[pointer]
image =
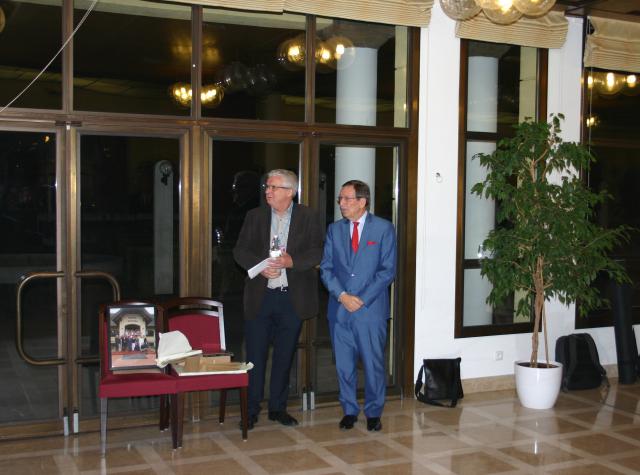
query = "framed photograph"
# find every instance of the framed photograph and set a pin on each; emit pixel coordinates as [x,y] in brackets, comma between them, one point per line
[132,337]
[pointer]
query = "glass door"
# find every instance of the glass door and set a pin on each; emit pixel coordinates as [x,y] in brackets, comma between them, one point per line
[32,391]
[378,167]
[238,170]
[128,216]
[77,232]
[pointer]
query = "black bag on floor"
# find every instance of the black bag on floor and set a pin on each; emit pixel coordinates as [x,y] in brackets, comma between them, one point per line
[441,382]
[581,368]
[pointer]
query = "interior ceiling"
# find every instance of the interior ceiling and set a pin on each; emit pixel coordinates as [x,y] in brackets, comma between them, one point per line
[608,8]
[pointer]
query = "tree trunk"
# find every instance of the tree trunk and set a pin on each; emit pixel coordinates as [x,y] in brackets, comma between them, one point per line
[538,282]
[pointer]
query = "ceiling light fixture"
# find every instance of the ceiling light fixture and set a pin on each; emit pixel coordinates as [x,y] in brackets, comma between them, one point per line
[502,12]
[460,9]
[210,96]
[534,7]
[631,80]
[610,83]
[336,52]
[291,53]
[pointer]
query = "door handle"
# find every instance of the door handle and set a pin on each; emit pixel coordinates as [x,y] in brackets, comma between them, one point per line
[115,287]
[22,282]
[104,275]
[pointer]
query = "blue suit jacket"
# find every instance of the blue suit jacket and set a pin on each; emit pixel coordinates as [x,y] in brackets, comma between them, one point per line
[366,273]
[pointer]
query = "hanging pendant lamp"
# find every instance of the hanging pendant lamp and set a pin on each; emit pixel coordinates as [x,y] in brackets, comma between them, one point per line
[460,9]
[534,7]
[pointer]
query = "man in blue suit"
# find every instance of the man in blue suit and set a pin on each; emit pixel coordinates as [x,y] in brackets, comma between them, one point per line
[358,266]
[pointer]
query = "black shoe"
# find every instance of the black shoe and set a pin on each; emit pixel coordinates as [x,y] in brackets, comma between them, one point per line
[283,418]
[251,421]
[347,422]
[374,424]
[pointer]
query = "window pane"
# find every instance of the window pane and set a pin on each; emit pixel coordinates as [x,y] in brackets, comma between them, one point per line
[129,212]
[31,36]
[373,165]
[361,73]
[476,290]
[241,56]
[613,100]
[128,55]
[480,212]
[502,91]
[502,86]
[477,311]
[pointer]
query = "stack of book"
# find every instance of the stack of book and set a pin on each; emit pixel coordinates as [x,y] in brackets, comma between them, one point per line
[210,364]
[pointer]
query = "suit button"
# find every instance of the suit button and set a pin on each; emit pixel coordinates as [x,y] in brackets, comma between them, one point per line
[353,275]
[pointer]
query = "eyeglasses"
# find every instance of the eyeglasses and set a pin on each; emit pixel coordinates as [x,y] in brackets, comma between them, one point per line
[266,187]
[346,198]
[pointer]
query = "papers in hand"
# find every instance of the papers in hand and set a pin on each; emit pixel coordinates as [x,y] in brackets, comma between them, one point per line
[173,347]
[259,267]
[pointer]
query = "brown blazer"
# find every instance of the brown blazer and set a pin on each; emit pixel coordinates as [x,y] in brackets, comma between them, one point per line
[304,244]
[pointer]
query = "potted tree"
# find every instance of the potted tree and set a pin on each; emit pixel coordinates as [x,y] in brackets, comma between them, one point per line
[545,244]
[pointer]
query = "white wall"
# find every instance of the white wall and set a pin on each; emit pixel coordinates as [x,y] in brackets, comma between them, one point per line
[437,205]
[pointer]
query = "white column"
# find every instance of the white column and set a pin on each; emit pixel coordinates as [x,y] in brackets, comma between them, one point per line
[356,101]
[163,228]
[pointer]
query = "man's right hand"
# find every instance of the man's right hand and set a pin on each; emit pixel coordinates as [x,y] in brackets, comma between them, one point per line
[351,302]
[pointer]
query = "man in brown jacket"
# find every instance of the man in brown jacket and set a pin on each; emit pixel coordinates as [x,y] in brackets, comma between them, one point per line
[284,294]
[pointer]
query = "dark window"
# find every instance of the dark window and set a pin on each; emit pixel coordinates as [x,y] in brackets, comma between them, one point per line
[126,59]
[30,36]
[610,129]
[243,75]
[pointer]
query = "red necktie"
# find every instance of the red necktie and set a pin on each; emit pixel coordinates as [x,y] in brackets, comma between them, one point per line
[354,237]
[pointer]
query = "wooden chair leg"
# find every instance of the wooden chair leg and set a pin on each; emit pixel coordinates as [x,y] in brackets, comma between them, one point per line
[103,425]
[164,412]
[244,411]
[177,419]
[223,404]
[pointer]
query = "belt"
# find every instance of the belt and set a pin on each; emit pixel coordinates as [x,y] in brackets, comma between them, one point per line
[279,289]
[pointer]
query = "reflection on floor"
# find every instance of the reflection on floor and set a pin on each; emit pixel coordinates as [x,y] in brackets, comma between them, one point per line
[487,433]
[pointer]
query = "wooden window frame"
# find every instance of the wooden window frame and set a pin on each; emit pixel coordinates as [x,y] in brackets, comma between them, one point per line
[464,136]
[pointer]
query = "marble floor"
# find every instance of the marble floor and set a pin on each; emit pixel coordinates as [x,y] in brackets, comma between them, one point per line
[588,432]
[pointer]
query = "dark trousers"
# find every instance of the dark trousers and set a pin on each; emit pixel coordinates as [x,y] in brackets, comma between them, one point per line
[276,323]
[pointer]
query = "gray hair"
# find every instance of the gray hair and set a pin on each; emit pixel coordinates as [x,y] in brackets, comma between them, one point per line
[289,177]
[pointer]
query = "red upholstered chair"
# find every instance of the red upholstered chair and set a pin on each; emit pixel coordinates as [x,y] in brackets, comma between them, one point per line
[202,322]
[119,385]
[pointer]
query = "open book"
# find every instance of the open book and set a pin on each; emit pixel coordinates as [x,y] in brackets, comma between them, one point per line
[174,347]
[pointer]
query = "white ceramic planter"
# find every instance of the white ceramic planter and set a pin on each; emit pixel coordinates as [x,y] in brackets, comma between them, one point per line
[538,388]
